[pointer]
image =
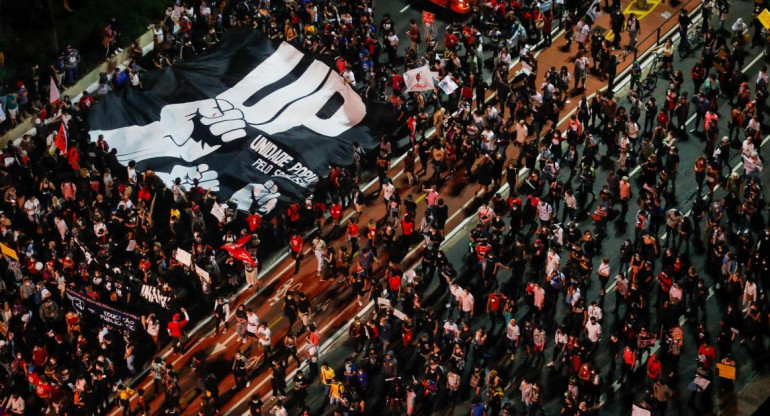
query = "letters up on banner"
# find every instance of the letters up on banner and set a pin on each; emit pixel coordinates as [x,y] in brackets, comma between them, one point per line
[114,317]
[253,121]
[154,295]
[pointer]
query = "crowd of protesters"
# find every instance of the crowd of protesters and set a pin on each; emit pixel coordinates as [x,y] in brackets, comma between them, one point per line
[81,221]
[445,349]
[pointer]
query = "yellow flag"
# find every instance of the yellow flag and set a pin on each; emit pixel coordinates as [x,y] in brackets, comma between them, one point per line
[9,252]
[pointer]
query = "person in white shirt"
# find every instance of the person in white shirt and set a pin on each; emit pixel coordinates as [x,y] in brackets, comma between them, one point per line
[593,331]
[319,249]
[16,404]
[32,208]
[544,212]
[131,172]
[492,114]
[552,261]
[279,410]
[252,323]
[512,334]
[504,57]
[135,81]
[749,294]
[557,235]
[393,40]
[456,292]
[581,65]
[521,133]
[603,272]
[526,392]
[264,336]
[762,75]
[349,77]
[387,192]
[752,166]
[747,148]
[570,205]
[595,311]
[450,328]
[560,339]
[488,144]
[466,304]
[535,101]
[486,214]
[675,294]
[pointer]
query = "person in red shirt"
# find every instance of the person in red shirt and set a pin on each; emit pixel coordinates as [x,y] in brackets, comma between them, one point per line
[39,356]
[629,362]
[353,233]
[394,283]
[33,379]
[706,354]
[654,367]
[43,391]
[407,229]
[292,213]
[495,307]
[175,329]
[397,82]
[482,249]
[335,211]
[144,193]
[296,242]
[313,337]
[450,40]
[663,118]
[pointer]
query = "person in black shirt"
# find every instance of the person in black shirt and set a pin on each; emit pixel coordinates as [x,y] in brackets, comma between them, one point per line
[429,258]
[300,387]
[612,70]
[255,405]
[684,21]
[440,214]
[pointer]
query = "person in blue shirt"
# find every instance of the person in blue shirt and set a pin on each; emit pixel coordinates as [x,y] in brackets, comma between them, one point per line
[477,408]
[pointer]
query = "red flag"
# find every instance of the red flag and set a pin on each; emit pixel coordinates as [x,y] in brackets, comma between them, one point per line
[61,138]
[254,221]
[239,253]
[243,240]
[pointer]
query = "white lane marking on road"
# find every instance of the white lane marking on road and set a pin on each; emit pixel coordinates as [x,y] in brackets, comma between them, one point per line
[405,8]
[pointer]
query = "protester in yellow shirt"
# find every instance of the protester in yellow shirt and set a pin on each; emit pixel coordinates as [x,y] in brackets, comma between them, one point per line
[327,375]
[335,392]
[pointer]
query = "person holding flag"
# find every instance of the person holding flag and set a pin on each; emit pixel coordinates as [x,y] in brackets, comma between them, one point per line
[238,251]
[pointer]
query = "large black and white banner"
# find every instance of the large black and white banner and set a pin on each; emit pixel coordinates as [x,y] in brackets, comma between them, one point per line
[251,120]
[114,317]
[154,294]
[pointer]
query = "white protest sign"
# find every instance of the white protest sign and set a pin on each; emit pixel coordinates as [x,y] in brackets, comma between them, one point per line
[183,257]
